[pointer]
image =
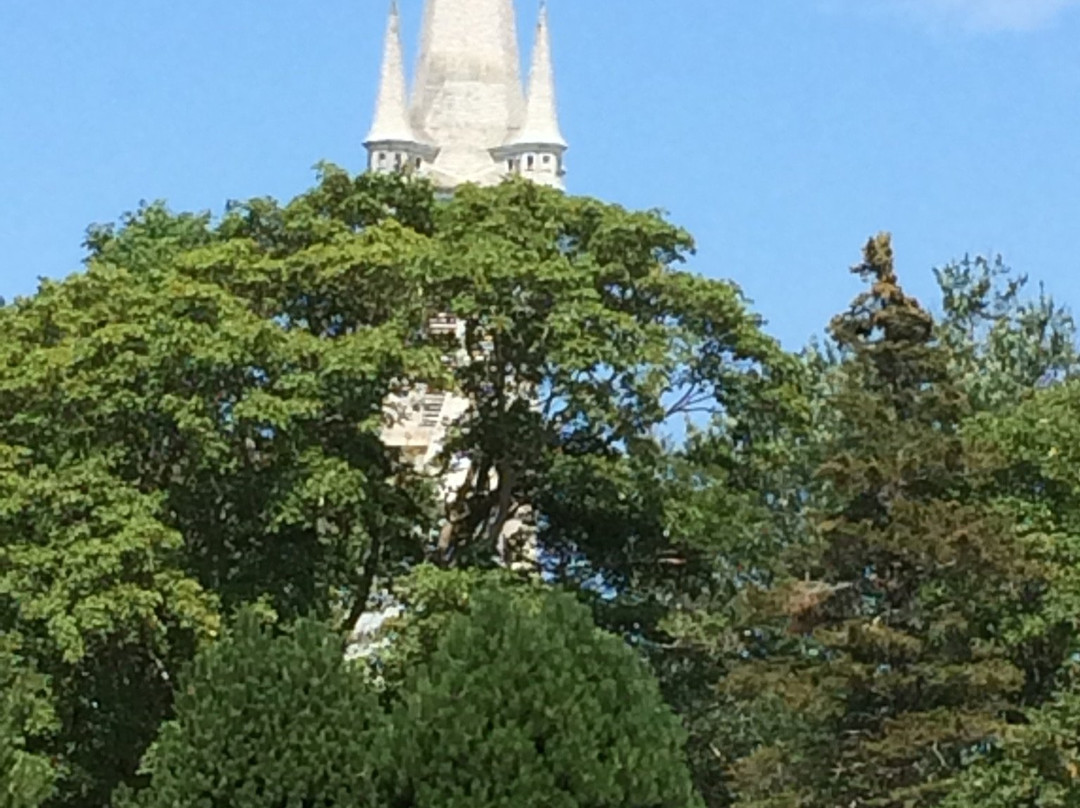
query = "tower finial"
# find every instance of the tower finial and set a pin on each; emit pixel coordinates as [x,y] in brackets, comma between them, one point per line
[541,124]
[537,149]
[391,121]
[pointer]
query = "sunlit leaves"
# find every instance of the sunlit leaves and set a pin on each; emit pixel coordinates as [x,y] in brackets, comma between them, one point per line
[27,778]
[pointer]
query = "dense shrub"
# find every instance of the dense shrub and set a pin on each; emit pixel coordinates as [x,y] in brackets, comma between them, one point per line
[265,720]
[523,702]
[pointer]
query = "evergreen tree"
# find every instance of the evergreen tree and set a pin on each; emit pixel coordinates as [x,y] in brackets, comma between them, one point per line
[525,703]
[521,702]
[267,719]
[880,665]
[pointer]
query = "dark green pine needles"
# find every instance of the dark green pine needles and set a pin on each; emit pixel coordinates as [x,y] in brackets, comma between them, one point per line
[534,707]
[887,668]
[264,720]
[521,705]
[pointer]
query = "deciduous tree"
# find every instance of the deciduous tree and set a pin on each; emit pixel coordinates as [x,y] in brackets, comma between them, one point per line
[197,418]
[27,777]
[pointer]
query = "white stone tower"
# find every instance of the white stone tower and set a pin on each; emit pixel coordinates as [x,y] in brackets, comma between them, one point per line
[468,121]
[537,148]
[468,118]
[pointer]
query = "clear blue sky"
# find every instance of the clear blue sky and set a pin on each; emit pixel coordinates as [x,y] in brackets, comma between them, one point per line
[780,132]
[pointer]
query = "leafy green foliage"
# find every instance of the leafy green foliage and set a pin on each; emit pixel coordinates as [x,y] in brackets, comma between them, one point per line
[268,719]
[527,703]
[424,603]
[676,536]
[855,578]
[521,701]
[1036,764]
[1004,347]
[27,778]
[169,451]
[583,305]
[581,340]
[91,581]
[1036,481]
[196,418]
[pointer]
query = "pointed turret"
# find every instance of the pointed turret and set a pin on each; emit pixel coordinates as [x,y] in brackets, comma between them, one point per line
[391,120]
[541,111]
[468,97]
[391,143]
[537,149]
[467,119]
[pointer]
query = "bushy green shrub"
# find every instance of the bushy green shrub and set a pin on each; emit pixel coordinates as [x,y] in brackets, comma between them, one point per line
[26,778]
[265,720]
[526,703]
[522,702]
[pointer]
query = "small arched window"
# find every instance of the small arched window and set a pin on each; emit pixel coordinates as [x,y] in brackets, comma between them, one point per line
[530,162]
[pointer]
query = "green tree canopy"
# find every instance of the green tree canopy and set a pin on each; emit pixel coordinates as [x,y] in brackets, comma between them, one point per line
[1035,764]
[1035,761]
[854,573]
[93,586]
[1004,346]
[27,778]
[194,423]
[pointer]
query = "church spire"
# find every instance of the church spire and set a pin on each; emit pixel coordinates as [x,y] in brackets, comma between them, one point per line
[391,121]
[468,97]
[467,119]
[541,124]
[537,149]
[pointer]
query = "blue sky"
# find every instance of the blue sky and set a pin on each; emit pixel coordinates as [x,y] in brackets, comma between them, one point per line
[780,132]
